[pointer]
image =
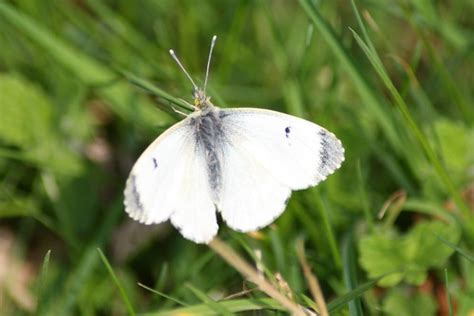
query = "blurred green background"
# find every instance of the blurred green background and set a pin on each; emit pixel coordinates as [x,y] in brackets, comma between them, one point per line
[390,233]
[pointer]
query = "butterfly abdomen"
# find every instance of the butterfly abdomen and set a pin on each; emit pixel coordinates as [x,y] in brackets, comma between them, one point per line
[209,135]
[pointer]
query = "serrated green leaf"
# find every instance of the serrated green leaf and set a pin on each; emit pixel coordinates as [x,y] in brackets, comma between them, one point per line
[400,302]
[25,110]
[27,123]
[409,255]
[456,143]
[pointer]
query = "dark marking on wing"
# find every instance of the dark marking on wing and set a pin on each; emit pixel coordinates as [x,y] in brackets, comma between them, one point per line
[324,154]
[155,163]
[331,153]
[223,114]
[287,131]
[135,198]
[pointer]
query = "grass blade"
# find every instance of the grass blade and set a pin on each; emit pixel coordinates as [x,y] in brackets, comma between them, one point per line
[234,306]
[459,250]
[153,89]
[41,280]
[86,69]
[341,301]
[123,294]
[311,279]
[232,258]
[448,297]
[163,295]
[78,277]
[218,308]
[350,279]
[412,125]
[372,101]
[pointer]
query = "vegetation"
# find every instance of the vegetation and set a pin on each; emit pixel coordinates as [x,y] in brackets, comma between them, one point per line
[86,85]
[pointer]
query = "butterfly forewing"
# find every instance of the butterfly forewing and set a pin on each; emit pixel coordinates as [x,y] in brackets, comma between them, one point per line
[169,180]
[296,152]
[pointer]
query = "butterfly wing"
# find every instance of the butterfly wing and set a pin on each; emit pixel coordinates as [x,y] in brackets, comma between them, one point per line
[268,154]
[169,181]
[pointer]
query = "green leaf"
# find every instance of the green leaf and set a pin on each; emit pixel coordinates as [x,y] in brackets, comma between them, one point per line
[400,302]
[87,69]
[28,124]
[409,256]
[453,139]
[25,110]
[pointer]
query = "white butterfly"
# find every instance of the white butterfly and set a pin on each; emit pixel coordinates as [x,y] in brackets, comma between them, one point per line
[241,162]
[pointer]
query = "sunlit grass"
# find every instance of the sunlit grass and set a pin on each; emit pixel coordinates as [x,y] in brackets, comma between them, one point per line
[86,85]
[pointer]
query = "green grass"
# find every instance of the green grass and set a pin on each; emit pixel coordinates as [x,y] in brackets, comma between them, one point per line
[86,85]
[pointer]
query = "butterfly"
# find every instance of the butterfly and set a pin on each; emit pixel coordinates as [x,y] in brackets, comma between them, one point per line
[241,162]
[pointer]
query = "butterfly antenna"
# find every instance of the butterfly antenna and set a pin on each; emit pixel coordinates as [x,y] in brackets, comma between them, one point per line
[172,53]
[213,43]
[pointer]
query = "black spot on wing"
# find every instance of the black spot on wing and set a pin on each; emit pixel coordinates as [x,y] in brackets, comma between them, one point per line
[287,131]
[155,163]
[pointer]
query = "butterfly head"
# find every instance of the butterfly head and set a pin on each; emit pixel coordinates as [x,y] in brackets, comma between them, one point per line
[201,100]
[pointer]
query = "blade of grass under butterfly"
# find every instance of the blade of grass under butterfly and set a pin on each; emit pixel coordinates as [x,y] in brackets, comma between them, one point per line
[218,308]
[311,279]
[349,272]
[363,196]
[234,306]
[344,299]
[459,250]
[324,211]
[114,277]
[448,297]
[238,263]
[41,280]
[163,295]
[77,278]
